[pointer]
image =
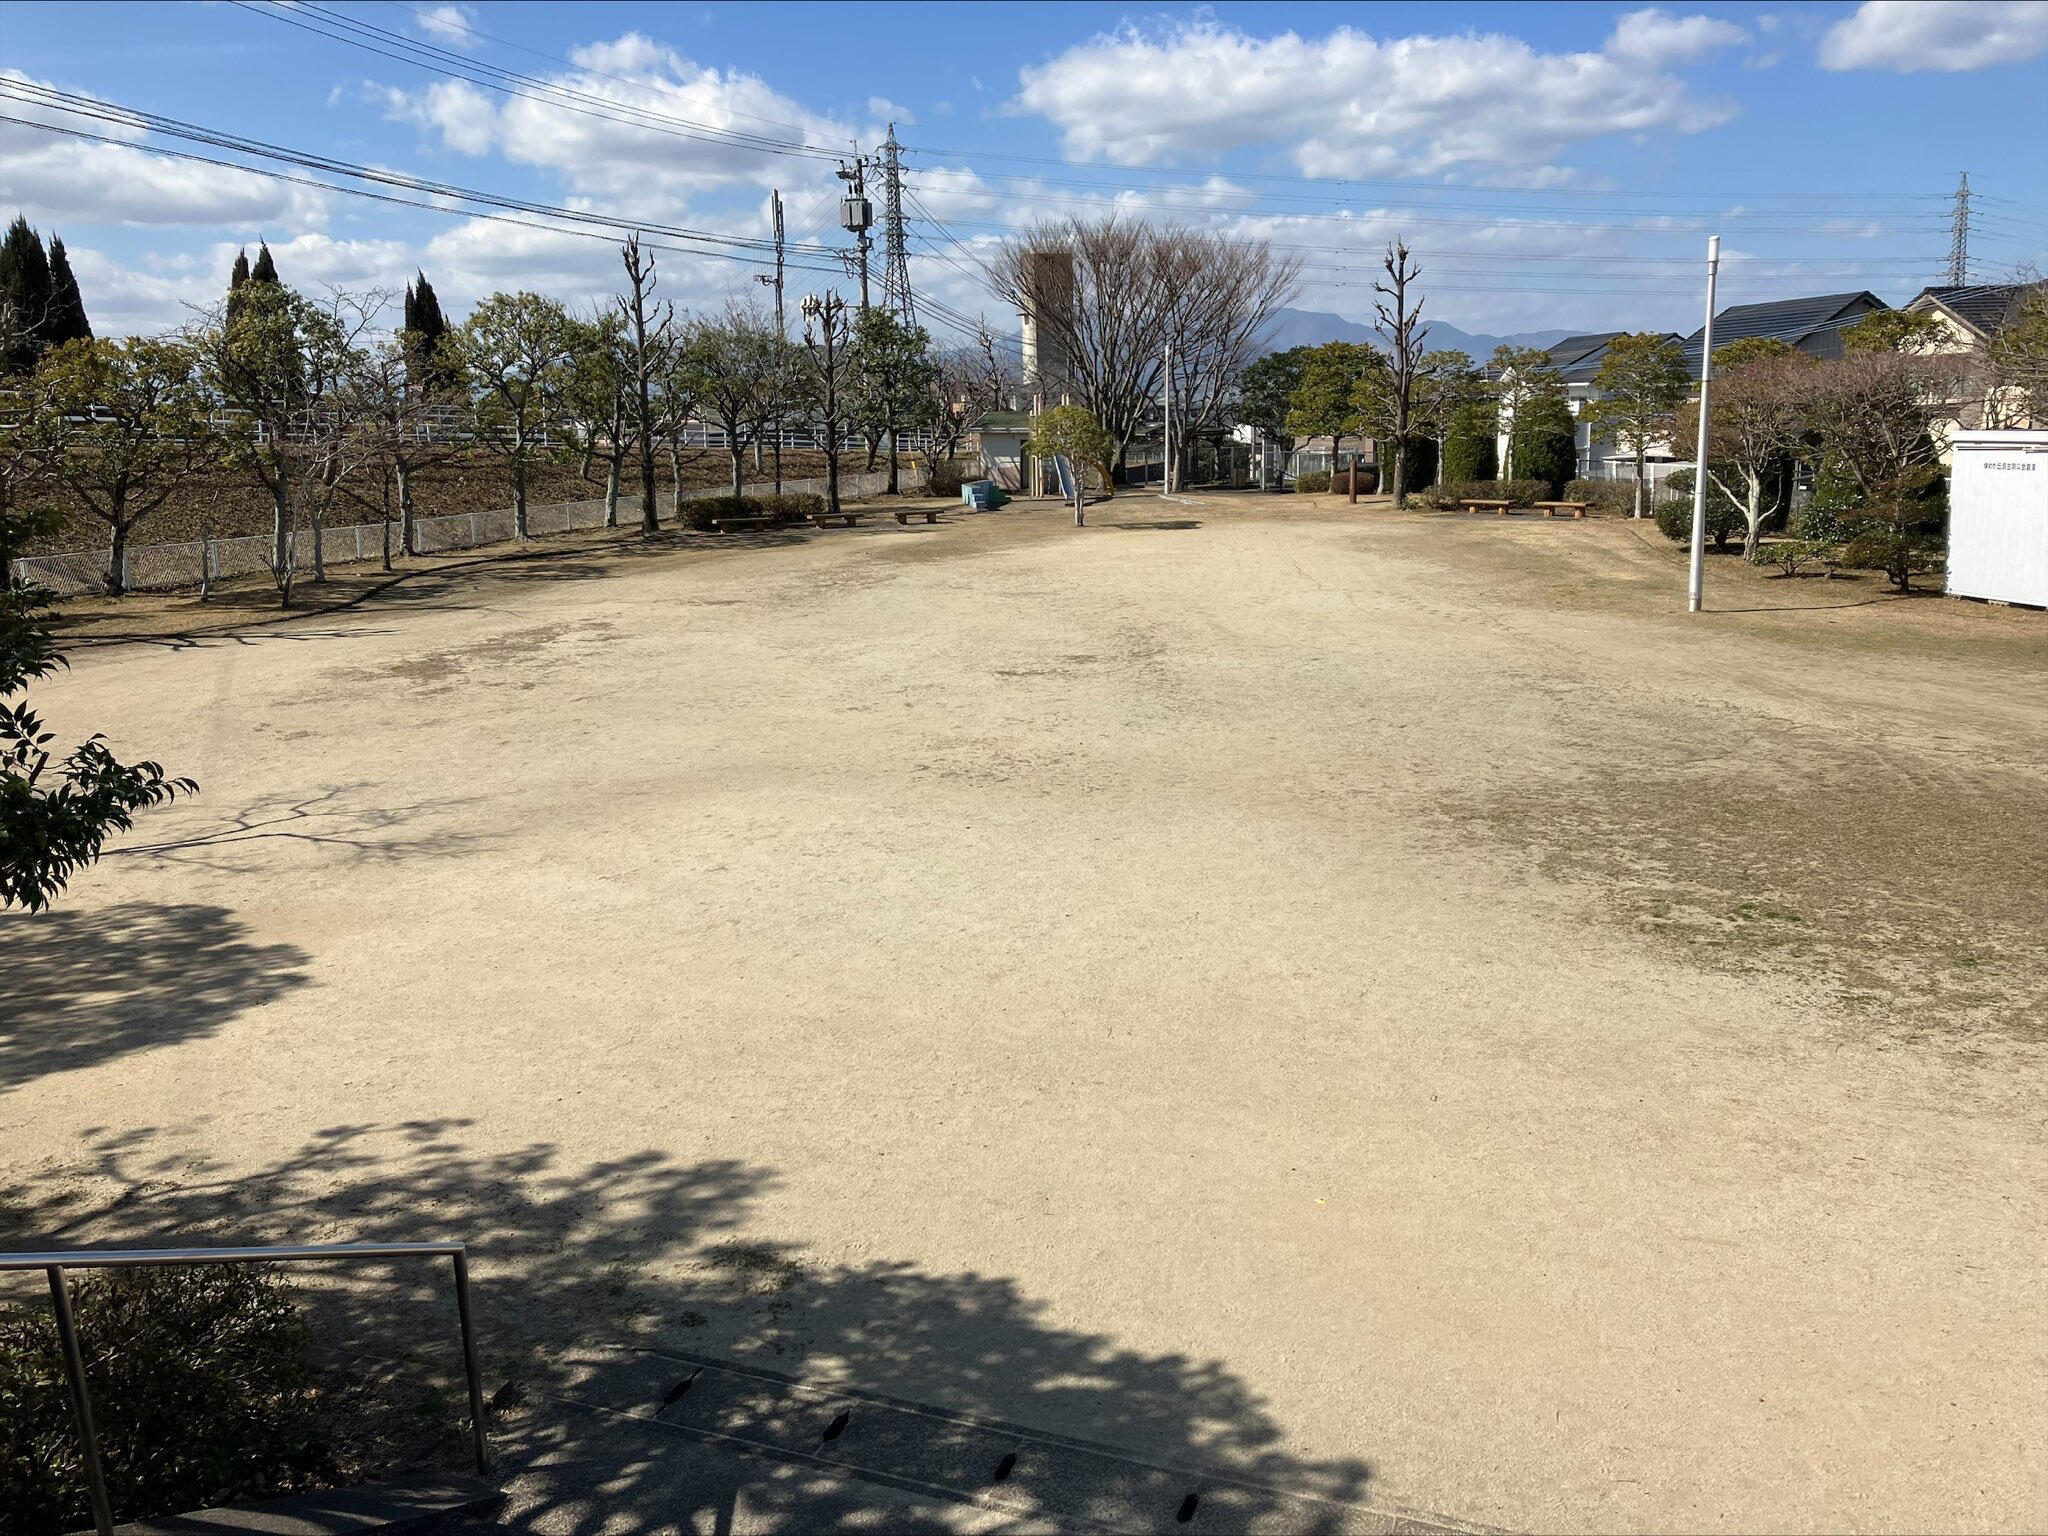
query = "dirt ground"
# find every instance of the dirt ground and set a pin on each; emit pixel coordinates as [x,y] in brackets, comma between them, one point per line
[1381,1006]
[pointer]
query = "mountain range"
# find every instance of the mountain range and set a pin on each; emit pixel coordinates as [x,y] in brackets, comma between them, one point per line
[1311,328]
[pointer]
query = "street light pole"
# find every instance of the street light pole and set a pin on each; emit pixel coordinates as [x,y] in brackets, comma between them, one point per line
[1696,579]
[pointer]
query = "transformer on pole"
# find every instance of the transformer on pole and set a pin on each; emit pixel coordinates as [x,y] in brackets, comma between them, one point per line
[857,214]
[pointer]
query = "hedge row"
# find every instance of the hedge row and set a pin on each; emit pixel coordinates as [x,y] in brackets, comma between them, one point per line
[793,508]
[1516,493]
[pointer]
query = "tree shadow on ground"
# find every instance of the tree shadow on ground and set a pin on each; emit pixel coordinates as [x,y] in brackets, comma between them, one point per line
[599,1288]
[80,987]
[327,819]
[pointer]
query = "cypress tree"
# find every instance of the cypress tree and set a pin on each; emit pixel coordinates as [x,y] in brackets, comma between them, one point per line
[67,304]
[265,270]
[25,293]
[241,273]
[423,316]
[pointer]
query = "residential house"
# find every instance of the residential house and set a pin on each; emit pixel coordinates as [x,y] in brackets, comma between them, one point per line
[1576,360]
[1970,317]
[1813,326]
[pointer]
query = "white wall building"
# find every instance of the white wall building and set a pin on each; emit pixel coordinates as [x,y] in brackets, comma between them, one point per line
[1998,516]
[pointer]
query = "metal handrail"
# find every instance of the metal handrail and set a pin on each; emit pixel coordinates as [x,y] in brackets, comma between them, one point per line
[55,1264]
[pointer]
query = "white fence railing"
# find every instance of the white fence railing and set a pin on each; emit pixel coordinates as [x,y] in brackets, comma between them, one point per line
[169,567]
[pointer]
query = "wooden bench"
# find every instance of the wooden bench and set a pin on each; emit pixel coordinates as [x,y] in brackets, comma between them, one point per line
[740,524]
[844,519]
[1485,506]
[929,514]
[1562,508]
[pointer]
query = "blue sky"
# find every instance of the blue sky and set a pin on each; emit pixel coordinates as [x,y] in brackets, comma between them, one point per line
[1554,165]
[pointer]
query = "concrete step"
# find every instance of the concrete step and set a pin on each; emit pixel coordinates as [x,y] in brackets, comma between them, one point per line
[421,1503]
[665,1439]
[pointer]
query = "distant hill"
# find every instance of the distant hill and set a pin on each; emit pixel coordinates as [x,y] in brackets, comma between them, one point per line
[1311,328]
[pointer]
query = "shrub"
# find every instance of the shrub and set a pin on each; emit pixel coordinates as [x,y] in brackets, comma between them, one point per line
[1824,524]
[1790,554]
[1674,517]
[1615,496]
[944,477]
[1313,482]
[791,506]
[1898,535]
[200,1382]
[702,512]
[1516,493]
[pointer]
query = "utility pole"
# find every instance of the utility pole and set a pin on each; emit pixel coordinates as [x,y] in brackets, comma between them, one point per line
[1166,425]
[1696,578]
[1959,236]
[781,330]
[775,282]
[857,214]
[895,241]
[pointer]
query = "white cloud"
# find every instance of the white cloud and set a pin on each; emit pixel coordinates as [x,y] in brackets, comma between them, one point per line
[74,180]
[168,291]
[1908,35]
[883,110]
[613,151]
[449,24]
[1352,104]
[1657,37]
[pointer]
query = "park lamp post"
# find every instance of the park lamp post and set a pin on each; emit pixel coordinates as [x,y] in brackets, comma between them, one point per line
[1696,576]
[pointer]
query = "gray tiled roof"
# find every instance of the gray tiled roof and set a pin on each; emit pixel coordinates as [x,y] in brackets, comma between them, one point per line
[1984,306]
[1813,325]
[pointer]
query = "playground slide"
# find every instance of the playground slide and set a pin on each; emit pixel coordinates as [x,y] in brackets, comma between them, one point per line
[1066,474]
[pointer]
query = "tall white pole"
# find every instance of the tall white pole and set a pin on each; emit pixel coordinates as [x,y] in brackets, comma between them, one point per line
[1699,466]
[1166,426]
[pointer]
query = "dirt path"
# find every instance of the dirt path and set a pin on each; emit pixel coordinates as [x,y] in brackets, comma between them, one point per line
[1374,1004]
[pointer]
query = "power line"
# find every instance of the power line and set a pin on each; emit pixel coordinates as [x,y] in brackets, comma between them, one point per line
[380,197]
[318,20]
[96,109]
[470,30]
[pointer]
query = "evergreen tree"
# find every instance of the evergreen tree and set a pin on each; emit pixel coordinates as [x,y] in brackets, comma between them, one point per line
[67,305]
[265,270]
[24,298]
[241,273]
[1542,444]
[423,318]
[1469,449]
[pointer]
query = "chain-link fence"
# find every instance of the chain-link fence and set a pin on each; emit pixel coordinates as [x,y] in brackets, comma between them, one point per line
[169,567]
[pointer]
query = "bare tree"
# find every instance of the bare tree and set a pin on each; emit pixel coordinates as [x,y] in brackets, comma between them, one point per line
[407,428]
[1107,330]
[828,344]
[972,380]
[597,398]
[132,425]
[652,333]
[733,362]
[1136,288]
[514,349]
[1223,294]
[1397,318]
[1757,421]
[281,366]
